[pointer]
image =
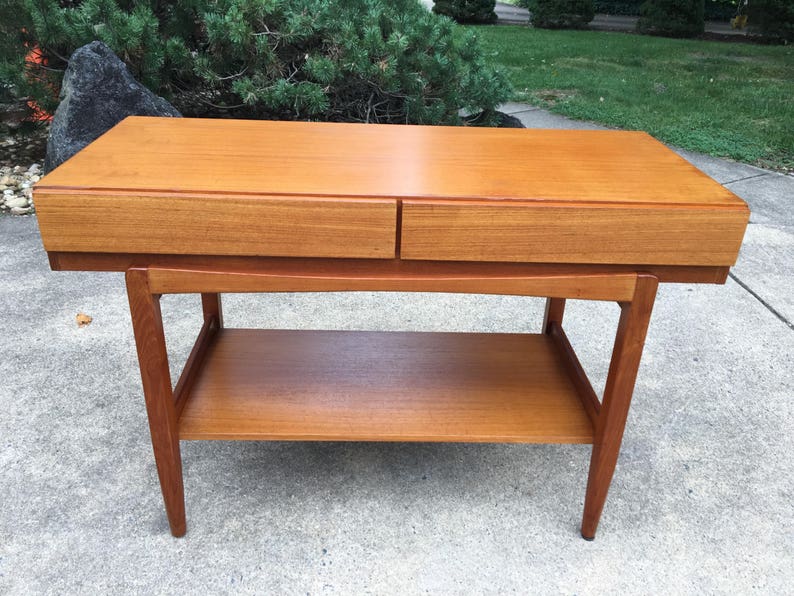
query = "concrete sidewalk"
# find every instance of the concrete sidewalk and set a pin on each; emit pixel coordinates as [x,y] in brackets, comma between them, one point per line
[701,502]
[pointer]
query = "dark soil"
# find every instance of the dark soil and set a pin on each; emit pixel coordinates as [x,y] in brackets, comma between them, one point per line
[23,142]
[23,146]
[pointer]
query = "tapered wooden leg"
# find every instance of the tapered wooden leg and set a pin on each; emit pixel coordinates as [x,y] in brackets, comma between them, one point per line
[555,308]
[611,421]
[147,324]
[211,305]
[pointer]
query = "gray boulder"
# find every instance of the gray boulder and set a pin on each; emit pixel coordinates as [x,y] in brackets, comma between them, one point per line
[98,92]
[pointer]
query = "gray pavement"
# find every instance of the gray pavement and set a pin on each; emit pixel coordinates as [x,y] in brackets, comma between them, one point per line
[701,502]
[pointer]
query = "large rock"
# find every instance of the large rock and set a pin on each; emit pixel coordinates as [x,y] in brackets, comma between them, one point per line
[508,121]
[502,120]
[98,92]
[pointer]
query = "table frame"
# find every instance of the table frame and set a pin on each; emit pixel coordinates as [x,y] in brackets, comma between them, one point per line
[367,214]
[634,292]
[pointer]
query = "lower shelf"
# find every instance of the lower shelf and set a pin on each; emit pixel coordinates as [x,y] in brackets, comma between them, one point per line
[384,386]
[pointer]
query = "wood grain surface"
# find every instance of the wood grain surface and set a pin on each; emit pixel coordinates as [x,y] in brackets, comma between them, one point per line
[273,226]
[147,324]
[368,160]
[391,271]
[614,409]
[586,287]
[337,385]
[257,188]
[531,232]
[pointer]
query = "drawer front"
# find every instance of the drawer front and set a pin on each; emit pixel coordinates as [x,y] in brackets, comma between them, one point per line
[541,233]
[211,225]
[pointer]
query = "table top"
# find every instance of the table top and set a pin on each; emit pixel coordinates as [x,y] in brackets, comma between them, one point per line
[295,189]
[183,155]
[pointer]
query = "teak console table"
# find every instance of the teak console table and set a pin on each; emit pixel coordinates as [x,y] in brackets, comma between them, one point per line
[214,206]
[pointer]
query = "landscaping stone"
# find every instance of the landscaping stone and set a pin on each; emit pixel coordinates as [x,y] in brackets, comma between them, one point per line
[502,120]
[98,92]
[16,202]
[508,121]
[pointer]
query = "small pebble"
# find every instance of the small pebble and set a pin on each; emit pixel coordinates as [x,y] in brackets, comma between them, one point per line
[20,210]
[16,203]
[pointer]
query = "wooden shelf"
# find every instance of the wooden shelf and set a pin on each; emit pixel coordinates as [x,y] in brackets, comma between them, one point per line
[383,386]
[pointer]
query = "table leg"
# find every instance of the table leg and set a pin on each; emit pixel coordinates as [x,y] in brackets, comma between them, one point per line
[555,308]
[211,305]
[147,324]
[633,324]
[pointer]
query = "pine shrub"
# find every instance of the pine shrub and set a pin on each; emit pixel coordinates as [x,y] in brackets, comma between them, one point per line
[467,11]
[773,19]
[672,18]
[562,14]
[339,60]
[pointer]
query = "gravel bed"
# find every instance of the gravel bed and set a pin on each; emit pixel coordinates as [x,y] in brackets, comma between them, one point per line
[16,187]
[21,155]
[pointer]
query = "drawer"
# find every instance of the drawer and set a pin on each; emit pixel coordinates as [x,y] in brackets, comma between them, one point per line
[544,233]
[212,225]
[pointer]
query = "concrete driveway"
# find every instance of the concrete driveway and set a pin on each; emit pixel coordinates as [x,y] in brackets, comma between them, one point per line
[701,501]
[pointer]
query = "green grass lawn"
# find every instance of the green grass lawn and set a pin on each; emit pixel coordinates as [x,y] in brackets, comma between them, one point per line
[726,99]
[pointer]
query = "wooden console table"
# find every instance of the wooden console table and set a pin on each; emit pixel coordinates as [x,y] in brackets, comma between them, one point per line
[215,206]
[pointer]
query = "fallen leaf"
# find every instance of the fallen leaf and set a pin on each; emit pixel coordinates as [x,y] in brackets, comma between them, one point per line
[83,320]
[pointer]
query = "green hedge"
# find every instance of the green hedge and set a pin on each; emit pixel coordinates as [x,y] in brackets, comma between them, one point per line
[562,14]
[347,60]
[773,19]
[467,11]
[714,10]
[672,18]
